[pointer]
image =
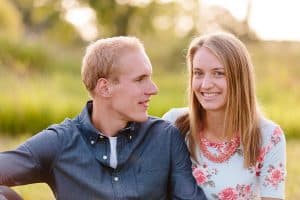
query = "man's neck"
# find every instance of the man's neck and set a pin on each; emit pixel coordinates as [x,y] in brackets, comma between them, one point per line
[105,122]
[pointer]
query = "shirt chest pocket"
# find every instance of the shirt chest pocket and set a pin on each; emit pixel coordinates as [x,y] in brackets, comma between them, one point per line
[152,181]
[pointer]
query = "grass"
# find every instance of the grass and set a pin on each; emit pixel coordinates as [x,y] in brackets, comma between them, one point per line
[42,191]
[31,99]
[32,103]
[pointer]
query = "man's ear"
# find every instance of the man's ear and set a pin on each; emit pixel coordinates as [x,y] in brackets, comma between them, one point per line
[103,88]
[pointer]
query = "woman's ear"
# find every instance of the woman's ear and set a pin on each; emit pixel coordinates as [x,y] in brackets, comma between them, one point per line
[103,88]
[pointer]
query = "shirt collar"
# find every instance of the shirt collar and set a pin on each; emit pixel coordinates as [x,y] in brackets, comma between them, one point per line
[94,134]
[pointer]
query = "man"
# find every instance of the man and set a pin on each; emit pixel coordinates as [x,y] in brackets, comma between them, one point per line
[8,194]
[112,150]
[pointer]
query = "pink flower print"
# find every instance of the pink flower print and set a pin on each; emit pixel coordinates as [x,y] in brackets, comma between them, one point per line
[228,194]
[275,176]
[262,154]
[247,189]
[199,176]
[260,159]
[277,132]
[245,192]
[257,169]
[276,136]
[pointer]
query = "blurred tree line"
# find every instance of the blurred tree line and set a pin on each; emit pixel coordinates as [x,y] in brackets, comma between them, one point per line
[42,43]
[165,26]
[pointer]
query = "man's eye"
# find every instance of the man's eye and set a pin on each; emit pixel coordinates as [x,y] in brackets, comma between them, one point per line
[197,73]
[139,79]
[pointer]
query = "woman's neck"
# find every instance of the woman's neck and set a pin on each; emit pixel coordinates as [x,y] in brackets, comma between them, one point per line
[214,129]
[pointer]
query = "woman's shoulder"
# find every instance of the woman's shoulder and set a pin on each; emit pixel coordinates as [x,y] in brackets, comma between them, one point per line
[269,129]
[266,124]
[174,113]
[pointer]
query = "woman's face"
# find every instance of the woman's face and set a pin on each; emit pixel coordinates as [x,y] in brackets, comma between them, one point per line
[209,80]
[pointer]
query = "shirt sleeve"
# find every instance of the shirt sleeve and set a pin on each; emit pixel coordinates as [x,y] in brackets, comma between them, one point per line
[31,161]
[273,165]
[174,113]
[183,183]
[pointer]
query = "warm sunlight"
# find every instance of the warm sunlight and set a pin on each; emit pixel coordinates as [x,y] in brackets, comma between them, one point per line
[271,20]
[83,18]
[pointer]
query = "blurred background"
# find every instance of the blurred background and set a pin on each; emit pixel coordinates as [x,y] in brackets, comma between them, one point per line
[42,43]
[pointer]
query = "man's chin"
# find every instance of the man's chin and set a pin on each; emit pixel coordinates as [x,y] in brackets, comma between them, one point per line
[141,118]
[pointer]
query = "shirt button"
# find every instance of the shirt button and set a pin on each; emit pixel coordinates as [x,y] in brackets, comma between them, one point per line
[116,178]
[104,157]
[101,136]
[92,142]
[130,137]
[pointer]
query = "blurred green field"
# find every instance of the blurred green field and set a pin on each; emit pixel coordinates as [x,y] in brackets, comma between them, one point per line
[40,87]
[42,191]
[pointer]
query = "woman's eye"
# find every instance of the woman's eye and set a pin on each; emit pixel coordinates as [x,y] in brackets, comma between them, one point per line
[218,73]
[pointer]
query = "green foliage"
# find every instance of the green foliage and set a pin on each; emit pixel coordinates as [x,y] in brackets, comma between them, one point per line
[20,56]
[31,101]
[128,17]
[171,93]
[277,68]
[63,33]
[10,21]
[30,105]
[27,57]
[38,86]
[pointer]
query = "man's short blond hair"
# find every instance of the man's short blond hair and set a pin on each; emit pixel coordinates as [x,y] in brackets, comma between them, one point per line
[101,56]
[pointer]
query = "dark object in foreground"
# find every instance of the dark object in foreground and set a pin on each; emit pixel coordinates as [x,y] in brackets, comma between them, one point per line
[8,194]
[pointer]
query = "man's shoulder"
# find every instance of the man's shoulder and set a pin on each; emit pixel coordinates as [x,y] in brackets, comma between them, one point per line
[66,127]
[159,121]
[159,125]
[62,126]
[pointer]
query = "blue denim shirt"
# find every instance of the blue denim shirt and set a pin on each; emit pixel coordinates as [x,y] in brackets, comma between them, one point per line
[72,158]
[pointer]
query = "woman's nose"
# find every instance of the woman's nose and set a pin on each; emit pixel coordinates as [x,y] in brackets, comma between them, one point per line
[206,82]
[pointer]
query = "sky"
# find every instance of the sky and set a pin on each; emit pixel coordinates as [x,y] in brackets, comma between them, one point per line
[270,19]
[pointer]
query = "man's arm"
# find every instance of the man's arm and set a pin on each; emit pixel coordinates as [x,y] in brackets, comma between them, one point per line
[8,194]
[29,162]
[183,184]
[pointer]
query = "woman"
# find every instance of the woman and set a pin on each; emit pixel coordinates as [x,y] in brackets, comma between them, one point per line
[236,152]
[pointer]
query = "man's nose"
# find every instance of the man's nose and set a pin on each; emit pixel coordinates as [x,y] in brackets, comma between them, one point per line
[152,88]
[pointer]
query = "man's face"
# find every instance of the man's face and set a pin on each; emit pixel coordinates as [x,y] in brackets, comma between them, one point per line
[131,94]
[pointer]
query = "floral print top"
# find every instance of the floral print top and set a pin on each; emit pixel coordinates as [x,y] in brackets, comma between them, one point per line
[229,180]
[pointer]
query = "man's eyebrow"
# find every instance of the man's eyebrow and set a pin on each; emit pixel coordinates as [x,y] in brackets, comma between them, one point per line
[142,76]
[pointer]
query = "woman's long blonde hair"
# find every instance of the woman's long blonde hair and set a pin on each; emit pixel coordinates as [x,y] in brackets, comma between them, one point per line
[242,113]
